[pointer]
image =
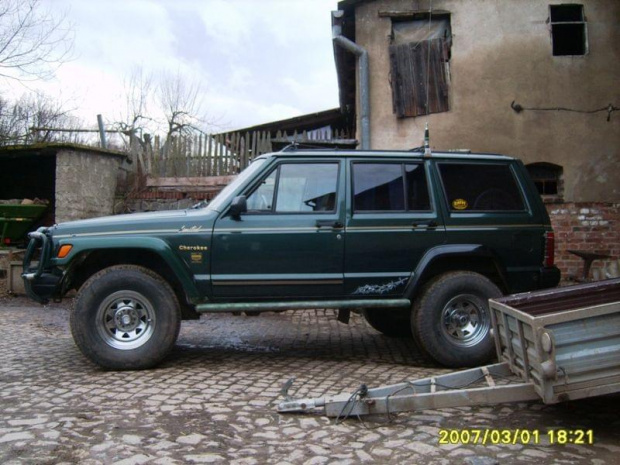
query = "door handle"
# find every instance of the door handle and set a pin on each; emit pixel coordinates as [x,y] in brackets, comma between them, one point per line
[328,224]
[430,224]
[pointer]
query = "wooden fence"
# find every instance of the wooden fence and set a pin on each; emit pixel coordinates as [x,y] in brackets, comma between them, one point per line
[220,154]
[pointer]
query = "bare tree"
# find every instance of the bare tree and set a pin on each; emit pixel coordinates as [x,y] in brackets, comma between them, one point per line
[17,120]
[33,42]
[181,102]
[138,95]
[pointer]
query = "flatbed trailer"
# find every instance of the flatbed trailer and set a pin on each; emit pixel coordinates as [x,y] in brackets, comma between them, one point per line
[553,345]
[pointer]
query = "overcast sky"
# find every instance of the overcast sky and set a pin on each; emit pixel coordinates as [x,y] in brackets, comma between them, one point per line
[257,60]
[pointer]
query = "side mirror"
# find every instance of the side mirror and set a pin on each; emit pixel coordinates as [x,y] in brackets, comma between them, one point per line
[238,206]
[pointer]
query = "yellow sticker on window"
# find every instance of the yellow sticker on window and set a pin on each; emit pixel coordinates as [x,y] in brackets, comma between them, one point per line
[460,204]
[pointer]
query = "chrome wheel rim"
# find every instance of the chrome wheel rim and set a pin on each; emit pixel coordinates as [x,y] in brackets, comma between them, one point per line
[465,320]
[126,320]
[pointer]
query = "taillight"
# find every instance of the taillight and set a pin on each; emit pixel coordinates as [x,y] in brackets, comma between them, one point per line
[549,249]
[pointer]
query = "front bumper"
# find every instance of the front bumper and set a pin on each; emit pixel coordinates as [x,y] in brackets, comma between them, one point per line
[40,282]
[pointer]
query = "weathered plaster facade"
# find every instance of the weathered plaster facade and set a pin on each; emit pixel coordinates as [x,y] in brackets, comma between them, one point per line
[501,52]
[85,184]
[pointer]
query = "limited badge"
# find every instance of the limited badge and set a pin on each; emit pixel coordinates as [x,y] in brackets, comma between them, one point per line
[460,204]
[196,257]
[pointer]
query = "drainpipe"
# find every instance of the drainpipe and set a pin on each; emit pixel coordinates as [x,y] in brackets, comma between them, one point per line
[364,74]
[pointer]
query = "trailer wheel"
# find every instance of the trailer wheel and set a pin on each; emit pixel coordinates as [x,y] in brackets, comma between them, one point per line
[125,318]
[451,321]
[391,323]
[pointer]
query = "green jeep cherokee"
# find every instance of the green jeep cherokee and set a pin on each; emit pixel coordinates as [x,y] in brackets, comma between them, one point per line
[417,243]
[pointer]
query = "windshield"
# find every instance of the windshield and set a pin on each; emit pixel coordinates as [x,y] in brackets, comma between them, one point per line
[217,203]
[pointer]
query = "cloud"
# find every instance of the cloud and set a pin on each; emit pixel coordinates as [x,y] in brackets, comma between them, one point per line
[257,60]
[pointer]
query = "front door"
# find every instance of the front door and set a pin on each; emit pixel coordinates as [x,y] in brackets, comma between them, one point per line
[290,243]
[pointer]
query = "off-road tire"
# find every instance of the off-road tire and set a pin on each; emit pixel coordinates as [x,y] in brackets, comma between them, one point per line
[389,322]
[125,317]
[451,322]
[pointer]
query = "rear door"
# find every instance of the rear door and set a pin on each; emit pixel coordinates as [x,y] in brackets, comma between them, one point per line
[393,220]
[290,243]
[485,204]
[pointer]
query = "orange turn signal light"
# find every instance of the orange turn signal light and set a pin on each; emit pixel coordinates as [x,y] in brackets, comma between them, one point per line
[64,250]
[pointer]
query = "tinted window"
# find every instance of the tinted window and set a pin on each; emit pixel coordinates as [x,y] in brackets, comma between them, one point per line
[305,187]
[378,187]
[478,187]
[381,187]
[417,189]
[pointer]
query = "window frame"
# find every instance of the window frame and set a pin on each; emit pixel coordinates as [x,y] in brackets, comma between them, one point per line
[405,101]
[546,172]
[273,211]
[517,181]
[402,164]
[583,23]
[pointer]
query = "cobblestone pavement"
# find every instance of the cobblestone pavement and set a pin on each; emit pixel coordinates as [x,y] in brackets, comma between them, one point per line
[214,398]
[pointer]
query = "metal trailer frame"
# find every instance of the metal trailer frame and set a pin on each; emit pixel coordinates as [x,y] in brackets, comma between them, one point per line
[554,345]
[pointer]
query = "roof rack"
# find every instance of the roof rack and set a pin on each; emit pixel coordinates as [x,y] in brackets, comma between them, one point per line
[293,146]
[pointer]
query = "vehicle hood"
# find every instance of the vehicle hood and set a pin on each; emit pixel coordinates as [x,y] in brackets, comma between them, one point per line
[153,223]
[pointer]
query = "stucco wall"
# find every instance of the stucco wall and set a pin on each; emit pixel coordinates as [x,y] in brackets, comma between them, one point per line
[502,52]
[85,184]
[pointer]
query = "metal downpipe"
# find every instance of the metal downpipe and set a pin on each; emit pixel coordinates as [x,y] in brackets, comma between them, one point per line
[364,74]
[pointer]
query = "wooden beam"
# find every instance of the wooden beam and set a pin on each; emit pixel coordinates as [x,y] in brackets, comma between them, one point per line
[410,13]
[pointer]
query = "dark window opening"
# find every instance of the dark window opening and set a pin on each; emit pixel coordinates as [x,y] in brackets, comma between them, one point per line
[390,187]
[568,30]
[419,65]
[475,187]
[548,178]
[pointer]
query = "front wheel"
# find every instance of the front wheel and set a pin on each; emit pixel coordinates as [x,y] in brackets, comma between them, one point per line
[451,320]
[125,318]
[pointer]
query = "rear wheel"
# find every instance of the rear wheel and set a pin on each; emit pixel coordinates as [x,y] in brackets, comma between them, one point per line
[392,323]
[125,318]
[451,321]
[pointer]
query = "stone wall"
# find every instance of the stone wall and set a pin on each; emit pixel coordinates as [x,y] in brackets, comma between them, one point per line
[592,227]
[85,184]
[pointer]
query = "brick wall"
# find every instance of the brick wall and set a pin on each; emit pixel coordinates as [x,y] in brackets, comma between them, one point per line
[159,200]
[593,227]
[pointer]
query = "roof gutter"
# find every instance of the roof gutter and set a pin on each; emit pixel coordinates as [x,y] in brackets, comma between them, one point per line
[363,70]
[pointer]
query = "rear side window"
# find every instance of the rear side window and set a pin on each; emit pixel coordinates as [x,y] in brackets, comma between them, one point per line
[480,187]
[390,187]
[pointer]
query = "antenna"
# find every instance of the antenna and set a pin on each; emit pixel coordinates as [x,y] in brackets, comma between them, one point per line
[427,146]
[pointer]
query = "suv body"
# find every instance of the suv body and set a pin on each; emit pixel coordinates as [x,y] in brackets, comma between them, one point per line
[417,243]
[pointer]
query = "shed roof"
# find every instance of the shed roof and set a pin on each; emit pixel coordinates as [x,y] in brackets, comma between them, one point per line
[52,148]
[332,117]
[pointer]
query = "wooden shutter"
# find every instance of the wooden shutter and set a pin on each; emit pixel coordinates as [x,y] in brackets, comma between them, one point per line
[408,66]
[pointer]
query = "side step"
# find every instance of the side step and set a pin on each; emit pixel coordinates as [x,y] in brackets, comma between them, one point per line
[450,390]
[302,305]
